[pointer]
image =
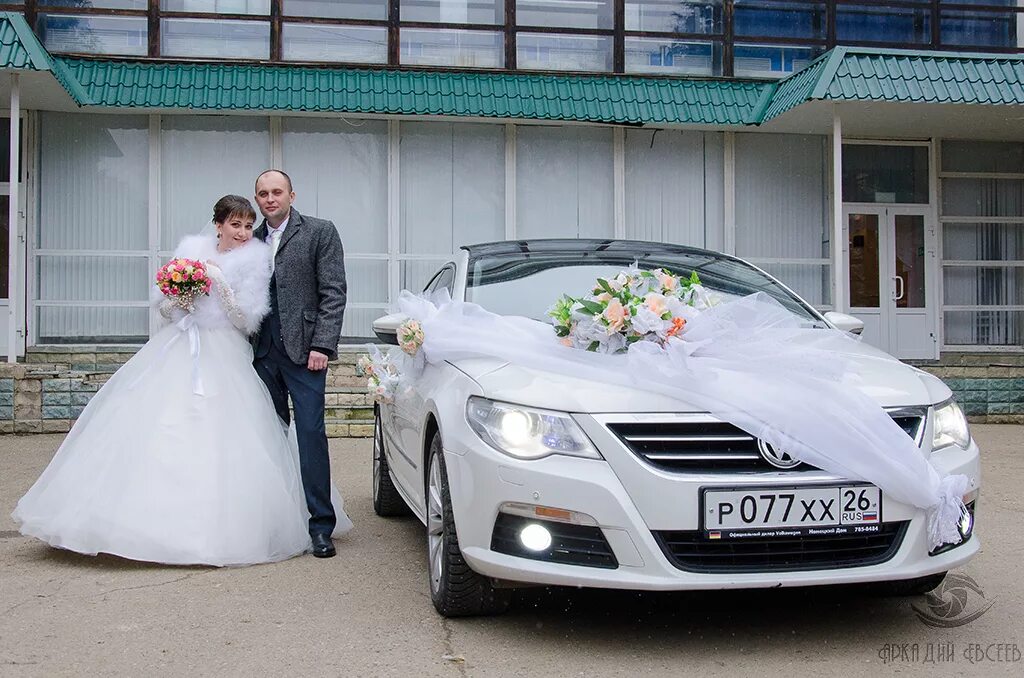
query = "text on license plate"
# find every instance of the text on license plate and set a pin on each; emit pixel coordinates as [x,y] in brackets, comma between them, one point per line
[803,507]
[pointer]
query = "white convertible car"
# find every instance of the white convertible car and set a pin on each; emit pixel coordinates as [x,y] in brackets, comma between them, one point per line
[524,477]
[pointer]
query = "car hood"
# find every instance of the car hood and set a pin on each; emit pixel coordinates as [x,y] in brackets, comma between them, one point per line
[889,383]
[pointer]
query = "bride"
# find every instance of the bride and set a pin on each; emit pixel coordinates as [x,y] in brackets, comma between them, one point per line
[180,457]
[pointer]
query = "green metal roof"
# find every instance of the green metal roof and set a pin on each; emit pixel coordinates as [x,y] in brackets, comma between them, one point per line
[19,47]
[795,89]
[929,78]
[487,95]
[903,76]
[842,74]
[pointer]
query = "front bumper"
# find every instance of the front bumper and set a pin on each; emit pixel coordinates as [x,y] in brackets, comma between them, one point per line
[481,480]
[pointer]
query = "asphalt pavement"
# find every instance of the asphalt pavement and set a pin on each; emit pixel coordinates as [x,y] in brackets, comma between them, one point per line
[367,612]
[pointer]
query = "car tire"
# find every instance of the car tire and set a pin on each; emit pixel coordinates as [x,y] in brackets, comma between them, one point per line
[455,589]
[387,502]
[912,587]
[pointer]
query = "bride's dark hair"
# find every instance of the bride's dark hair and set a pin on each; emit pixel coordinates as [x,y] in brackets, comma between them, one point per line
[232,205]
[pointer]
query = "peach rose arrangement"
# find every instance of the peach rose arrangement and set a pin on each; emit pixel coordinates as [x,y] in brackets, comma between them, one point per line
[383,370]
[381,373]
[635,305]
[182,281]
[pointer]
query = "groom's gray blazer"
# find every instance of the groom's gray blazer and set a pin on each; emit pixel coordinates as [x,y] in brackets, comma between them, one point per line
[310,288]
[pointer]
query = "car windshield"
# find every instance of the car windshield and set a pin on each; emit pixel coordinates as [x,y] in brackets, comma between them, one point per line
[528,283]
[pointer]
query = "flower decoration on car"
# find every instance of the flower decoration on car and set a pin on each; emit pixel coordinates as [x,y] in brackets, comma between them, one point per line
[382,374]
[410,336]
[635,305]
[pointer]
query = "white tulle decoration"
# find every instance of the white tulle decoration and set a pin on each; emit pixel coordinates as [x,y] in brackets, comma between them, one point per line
[748,362]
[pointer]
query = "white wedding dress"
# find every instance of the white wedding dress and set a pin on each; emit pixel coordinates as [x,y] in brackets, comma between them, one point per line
[180,457]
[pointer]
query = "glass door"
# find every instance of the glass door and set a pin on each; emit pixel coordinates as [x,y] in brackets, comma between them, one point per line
[912,325]
[865,263]
[890,262]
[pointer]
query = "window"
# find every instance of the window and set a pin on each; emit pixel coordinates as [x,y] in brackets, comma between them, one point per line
[93,34]
[564,182]
[452,183]
[92,260]
[982,222]
[445,279]
[874,23]
[742,38]
[674,187]
[875,173]
[339,168]
[782,218]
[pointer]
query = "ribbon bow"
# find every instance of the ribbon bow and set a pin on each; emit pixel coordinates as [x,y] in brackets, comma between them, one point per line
[187,326]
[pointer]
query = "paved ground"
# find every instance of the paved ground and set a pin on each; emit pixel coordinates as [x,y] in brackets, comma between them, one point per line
[367,611]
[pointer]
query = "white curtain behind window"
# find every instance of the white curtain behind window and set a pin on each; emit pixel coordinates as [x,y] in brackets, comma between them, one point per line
[667,187]
[982,286]
[453,186]
[339,169]
[564,182]
[94,173]
[453,193]
[201,159]
[782,209]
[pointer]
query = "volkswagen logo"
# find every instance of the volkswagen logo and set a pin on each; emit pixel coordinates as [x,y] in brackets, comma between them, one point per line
[775,458]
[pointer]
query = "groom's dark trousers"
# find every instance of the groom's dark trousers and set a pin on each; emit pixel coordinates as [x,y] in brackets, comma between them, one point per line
[282,376]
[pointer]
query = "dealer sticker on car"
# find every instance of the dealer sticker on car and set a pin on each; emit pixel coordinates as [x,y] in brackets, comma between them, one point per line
[767,512]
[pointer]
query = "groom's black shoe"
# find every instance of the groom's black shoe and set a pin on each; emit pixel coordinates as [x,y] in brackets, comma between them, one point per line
[323,547]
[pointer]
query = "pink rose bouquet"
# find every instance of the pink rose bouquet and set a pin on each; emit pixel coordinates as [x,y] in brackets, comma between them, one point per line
[183,280]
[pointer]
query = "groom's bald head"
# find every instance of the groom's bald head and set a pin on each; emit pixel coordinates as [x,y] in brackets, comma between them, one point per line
[278,172]
[274,196]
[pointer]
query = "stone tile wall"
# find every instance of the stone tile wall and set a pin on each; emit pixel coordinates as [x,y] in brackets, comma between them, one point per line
[989,387]
[47,392]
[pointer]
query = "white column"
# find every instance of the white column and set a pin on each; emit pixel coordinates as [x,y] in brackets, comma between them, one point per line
[838,245]
[619,181]
[276,142]
[510,181]
[14,282]
[154,209]
[729,193]
[394,210]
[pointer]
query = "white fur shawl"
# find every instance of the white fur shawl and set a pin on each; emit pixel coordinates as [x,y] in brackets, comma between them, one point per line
[247,272]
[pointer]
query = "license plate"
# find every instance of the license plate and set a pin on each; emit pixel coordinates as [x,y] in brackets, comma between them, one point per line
[791,511]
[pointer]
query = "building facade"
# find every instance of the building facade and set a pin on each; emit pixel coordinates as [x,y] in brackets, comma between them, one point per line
[868,155]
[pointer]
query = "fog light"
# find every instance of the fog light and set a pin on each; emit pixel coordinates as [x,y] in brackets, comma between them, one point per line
[966,523]
[965,526]
[535,537]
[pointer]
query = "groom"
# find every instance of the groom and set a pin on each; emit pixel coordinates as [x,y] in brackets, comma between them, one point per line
[299,336]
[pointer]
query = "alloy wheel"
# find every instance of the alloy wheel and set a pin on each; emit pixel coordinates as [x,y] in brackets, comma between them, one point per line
[435,525]
[378,450]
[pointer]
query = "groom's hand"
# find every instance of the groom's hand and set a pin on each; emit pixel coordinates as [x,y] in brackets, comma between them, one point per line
[317,361]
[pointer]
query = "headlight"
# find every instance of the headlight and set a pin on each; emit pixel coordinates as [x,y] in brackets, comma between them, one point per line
[950,426]
[526,433]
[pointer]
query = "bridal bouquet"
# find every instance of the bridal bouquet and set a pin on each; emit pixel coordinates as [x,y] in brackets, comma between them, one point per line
[635,305]
[182,280]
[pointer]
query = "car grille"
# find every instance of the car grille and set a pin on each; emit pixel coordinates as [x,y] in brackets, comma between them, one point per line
[694,552]
[570,544]
[713,447]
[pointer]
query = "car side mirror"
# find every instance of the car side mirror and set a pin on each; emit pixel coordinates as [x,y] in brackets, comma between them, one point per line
[844,322]
[386,327]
